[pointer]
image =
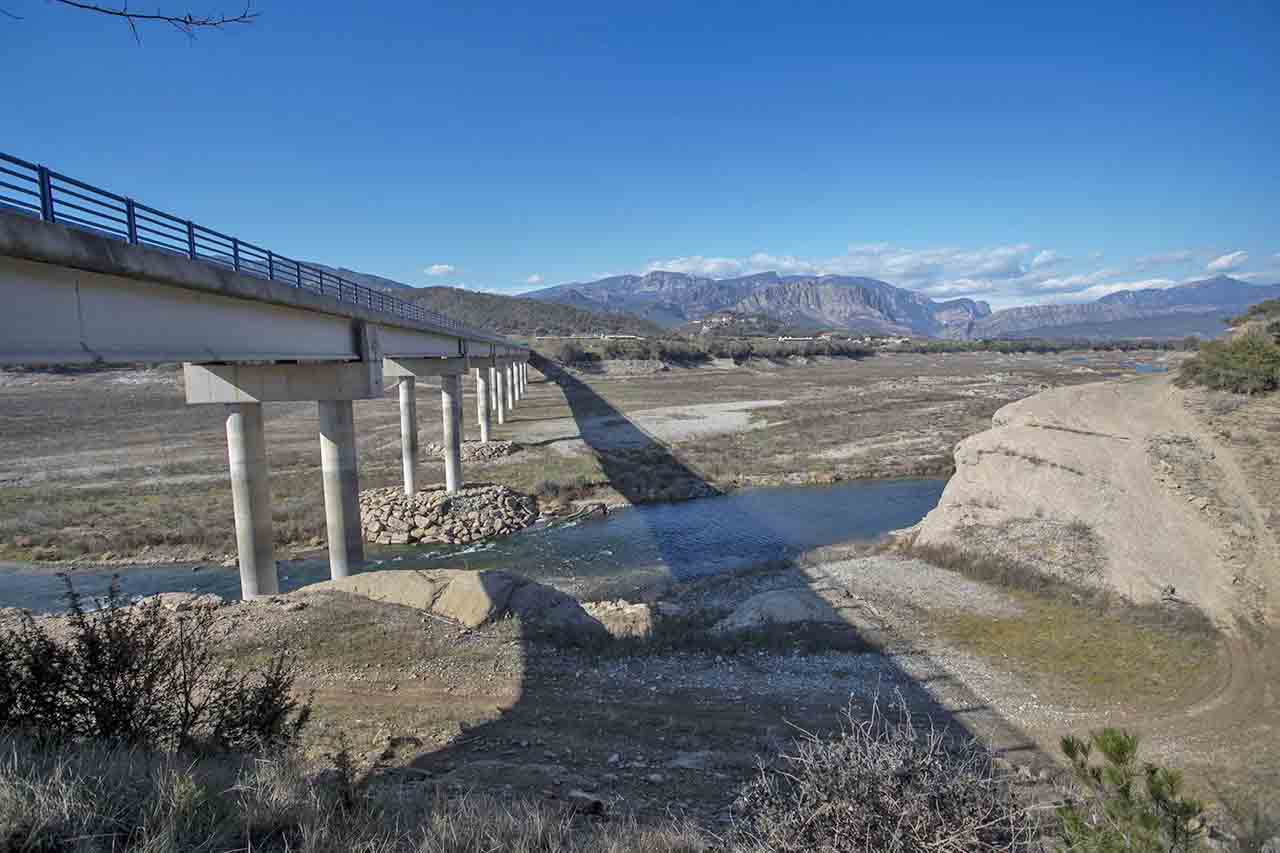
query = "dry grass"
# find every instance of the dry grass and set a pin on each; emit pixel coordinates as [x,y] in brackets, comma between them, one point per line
[92,798]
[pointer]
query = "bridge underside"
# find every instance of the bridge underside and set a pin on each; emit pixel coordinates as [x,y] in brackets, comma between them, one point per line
[72,297]
[59,315]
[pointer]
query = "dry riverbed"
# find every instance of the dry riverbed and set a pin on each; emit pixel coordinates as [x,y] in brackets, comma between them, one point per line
[114,466]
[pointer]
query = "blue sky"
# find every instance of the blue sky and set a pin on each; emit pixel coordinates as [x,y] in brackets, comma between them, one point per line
[1010,153]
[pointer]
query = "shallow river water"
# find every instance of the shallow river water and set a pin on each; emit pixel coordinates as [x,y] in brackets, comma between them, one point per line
[624,551]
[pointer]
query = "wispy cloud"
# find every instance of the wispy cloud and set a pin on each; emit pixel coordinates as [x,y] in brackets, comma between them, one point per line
[534,279]
[1047,258]
[1228,262]
[440,269]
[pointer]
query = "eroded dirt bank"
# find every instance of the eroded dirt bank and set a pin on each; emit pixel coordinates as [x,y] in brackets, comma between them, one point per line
[1166,496]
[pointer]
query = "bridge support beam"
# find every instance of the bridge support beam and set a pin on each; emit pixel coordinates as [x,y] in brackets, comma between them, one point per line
[245,387]
[450,371]
[409,432]
[510,382]
[341,486]
[450,404]
[482,402]
[499,393]
[251,497]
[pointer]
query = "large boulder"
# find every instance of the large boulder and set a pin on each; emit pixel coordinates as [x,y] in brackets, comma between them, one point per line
[830,610]
[474,599]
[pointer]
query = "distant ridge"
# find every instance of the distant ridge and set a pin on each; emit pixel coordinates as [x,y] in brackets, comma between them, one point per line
[829,301]
[860,304]
[1196,308]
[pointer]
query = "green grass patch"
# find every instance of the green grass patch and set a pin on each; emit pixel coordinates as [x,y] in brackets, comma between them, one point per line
[1099,654]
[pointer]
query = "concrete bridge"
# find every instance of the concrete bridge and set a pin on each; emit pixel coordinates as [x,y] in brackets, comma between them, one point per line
[91,277]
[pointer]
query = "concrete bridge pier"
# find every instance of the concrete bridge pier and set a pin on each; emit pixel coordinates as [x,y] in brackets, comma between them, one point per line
[450,372]
[251,497]
[510,382]
[500,392]
[524,375]
[409,432]
[450,394]
[245,387]
[482,401]
[341,486]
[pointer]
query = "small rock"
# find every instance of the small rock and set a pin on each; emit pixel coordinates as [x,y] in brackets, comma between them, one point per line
[587,803]
[655,778]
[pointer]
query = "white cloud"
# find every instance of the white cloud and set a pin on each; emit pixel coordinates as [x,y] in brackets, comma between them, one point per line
[1047,258]
[534,279]
[1012,274]
[699,265]
[441,269]
[1099,290]
[1228,262]
[960,287]
[1073,282]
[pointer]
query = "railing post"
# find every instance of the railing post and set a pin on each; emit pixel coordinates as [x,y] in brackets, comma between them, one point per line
[131,217]
[321,281]
[271,265]
[191,239]
[235,253]
[46,194]
[298,271]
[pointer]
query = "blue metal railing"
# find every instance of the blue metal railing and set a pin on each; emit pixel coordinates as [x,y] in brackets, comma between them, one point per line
[43,193]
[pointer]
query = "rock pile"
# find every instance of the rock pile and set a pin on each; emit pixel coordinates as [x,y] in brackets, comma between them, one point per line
[389,517]
[477,451]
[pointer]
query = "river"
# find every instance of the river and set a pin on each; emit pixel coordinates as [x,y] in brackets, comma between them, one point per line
[615,555]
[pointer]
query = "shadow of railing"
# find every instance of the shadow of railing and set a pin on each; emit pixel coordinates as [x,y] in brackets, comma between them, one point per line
[549,690]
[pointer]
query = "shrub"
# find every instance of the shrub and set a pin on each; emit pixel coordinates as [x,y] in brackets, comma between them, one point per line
[885,785]
[139,675]
[1123,807]
[1247,364]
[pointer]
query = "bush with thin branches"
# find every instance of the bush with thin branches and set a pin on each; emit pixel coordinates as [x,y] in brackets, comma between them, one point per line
[141,675]
[884,784]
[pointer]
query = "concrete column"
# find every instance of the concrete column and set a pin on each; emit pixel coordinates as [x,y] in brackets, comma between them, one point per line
[409,433]
[510,382]
[459,423]
[251,497]
[499,394]
[450,388]
[482,402]
[341,486]
[524,375]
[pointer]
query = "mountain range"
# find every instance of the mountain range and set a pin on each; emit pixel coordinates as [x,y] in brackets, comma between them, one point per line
[831,301]
[868,305]
[645,304]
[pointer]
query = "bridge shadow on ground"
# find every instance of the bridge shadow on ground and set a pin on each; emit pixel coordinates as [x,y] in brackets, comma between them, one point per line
[674,724]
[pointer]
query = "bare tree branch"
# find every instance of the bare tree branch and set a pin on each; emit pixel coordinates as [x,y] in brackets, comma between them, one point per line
[187,24]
